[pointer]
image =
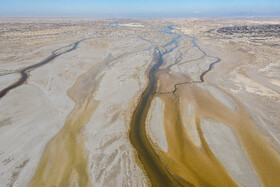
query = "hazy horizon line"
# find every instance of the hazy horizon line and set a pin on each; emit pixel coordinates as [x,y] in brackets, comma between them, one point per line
[140,17]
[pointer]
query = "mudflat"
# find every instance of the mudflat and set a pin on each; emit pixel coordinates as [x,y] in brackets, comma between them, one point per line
[139,102]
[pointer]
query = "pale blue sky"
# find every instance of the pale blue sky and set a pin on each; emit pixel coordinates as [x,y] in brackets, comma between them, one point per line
[139,8]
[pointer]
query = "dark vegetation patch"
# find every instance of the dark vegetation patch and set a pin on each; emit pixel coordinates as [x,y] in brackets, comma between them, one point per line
[254,30]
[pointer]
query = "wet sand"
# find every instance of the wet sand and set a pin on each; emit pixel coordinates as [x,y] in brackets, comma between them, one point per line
[134,105]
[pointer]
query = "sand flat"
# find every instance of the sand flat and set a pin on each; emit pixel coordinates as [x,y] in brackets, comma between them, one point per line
[225,146]
[155,127]
[76,111]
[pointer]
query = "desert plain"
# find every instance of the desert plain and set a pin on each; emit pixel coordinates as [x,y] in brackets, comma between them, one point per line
[139,102]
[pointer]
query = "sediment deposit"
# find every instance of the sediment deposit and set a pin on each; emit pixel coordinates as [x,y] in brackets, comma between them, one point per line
[139,102]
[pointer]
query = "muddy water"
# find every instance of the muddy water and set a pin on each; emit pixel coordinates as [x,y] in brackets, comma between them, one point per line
[157,172]
[155,169]
[198,165]
[186,164]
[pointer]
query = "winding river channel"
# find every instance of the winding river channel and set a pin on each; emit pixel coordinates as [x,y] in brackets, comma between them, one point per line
[158,174]
[24,73]
[155,169]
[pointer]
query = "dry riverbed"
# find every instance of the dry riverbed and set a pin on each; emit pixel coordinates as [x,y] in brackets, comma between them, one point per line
[69,123]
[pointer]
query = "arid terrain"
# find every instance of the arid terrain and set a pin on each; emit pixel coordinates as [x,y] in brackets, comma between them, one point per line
[139,102]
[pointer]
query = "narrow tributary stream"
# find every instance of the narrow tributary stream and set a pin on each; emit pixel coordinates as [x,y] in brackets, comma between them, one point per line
[24,73]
